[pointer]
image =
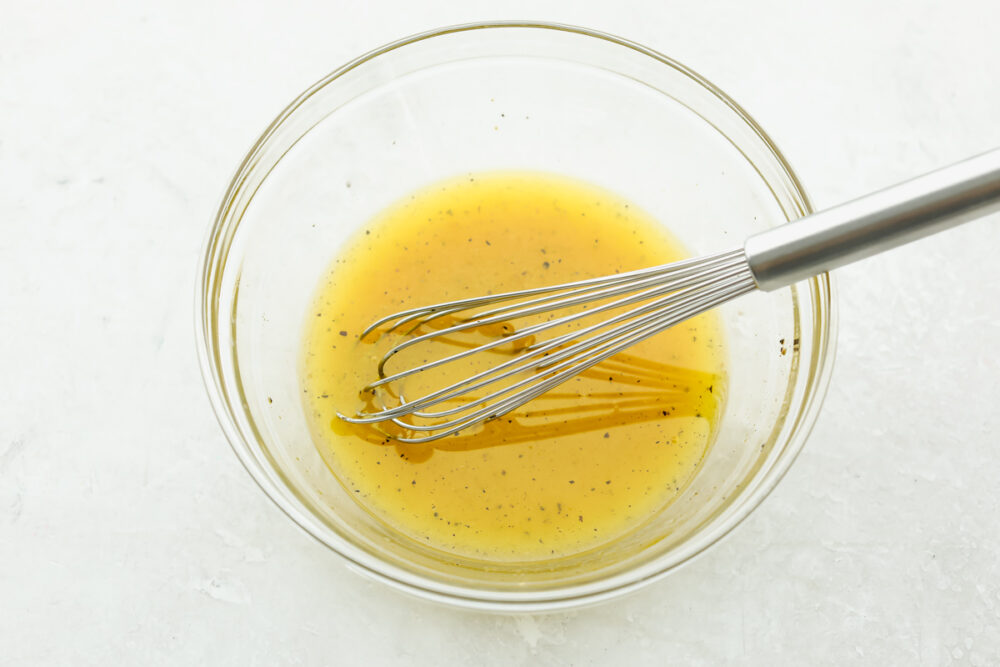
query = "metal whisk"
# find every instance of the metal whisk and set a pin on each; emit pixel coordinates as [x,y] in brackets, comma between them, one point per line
[589,321]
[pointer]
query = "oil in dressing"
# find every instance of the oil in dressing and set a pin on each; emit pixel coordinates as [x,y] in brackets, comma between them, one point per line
[574,469]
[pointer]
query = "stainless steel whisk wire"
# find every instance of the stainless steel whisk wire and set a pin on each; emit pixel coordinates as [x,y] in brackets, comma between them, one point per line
[659,298]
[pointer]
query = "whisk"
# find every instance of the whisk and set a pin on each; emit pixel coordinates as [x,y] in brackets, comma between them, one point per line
[541,337]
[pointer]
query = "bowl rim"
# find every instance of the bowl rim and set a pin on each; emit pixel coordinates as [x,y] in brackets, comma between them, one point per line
[575,595]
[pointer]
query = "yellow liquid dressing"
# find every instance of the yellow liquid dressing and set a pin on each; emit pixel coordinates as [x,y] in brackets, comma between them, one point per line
[568,472]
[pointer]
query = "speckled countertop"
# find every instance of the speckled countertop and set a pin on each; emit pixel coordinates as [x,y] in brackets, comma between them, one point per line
[129,534]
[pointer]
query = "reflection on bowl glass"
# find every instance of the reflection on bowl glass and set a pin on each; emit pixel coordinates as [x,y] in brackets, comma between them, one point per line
[482,98]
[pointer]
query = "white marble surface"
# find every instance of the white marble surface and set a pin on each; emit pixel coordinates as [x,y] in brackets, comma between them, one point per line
[129,534]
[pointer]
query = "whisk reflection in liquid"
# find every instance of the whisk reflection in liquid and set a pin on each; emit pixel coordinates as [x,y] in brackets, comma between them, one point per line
[623,390]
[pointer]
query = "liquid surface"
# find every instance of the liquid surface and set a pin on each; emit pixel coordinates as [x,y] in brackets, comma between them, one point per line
[568,472]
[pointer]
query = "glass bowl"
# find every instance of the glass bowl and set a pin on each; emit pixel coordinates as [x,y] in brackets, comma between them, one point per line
[482,97]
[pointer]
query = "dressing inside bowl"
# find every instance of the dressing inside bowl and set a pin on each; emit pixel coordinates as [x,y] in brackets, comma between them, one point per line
[486,98]
[582,465]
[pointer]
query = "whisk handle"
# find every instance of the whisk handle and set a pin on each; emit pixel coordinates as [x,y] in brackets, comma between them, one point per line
[880,221]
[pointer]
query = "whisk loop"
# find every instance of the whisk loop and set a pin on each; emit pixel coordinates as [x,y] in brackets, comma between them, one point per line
[634,306]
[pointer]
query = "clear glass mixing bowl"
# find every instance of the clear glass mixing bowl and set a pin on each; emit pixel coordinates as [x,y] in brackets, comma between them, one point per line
[523,96]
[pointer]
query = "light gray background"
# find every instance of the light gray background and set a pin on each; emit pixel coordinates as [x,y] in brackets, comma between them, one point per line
[129,534]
